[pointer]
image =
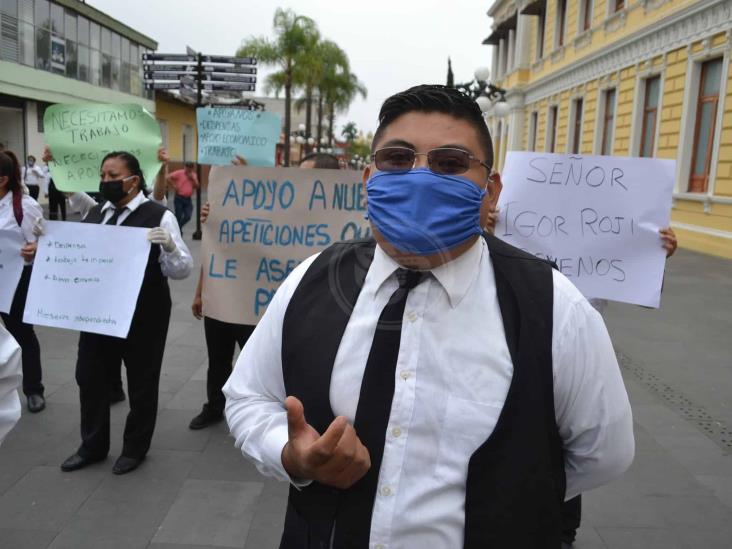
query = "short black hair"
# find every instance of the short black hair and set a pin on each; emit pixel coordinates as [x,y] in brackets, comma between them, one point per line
[436,98]
[133,165]
[190,164]
[323,161]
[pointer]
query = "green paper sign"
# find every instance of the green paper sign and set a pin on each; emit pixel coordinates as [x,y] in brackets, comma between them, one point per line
[80,135]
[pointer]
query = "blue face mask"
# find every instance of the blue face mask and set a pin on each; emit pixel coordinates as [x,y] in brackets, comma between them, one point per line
[422,212]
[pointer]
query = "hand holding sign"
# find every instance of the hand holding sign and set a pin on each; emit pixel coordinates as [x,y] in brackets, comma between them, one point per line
[80,135]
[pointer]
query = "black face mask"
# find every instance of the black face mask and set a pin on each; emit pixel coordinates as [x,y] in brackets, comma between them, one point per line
[112,190]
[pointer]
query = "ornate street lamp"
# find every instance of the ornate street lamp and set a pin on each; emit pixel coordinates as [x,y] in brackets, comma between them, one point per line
[486,94]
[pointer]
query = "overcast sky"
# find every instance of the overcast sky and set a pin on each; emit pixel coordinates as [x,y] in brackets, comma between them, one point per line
[391,44]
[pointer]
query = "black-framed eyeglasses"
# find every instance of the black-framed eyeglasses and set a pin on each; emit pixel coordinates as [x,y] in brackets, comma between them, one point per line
[442,160]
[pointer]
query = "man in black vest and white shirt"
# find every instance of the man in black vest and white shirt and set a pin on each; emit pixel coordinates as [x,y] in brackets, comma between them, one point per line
[434,387]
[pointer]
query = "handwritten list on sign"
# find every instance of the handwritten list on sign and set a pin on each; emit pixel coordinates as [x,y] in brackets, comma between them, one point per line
[80,136]
[87,277]
[596,217]
[263,223]
[226,132]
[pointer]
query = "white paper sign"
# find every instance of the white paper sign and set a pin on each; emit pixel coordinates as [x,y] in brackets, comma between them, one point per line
[11,266]
[597,217]
[87,277]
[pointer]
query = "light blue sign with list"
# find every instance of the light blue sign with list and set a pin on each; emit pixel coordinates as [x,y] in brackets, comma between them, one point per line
[224,133]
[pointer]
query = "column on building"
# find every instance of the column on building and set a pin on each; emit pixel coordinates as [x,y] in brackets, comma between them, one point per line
[523,42]
[510,57]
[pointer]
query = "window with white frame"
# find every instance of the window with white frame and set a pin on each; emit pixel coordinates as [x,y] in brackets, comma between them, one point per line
[705,121]
[576,125]
[533,130]
[551,128]
[585,16]
[561,23]
[540,24]
[649,120]
[607,121]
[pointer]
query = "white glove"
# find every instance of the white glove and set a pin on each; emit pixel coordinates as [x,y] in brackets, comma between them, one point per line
[158,235]
[38,228]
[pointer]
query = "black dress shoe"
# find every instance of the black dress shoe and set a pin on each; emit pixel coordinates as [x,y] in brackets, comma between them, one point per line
[125,464]
[36,403]
[116,395]
[78,462]
[205,418]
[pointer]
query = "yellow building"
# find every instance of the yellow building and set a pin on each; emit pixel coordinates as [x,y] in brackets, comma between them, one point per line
[625,77]
[177,121]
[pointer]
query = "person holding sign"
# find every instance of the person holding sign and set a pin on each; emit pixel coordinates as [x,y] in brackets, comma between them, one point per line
[434,387]
[19,213]
[123,186]
[185,183]
[572,509]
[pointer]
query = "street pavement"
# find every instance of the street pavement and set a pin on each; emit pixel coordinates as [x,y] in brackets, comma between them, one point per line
[196,491]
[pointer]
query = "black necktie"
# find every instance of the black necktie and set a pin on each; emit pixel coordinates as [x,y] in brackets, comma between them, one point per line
[353,521]
[115,216]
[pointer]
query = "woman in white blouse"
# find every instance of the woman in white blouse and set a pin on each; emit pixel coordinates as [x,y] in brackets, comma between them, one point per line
[18,214]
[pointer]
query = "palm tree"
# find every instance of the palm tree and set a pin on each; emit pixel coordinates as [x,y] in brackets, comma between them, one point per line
[332,61]
[350,132]
[307,74]
[293,34]
[339,95]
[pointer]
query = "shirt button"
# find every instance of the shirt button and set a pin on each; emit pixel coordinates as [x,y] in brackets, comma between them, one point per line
[411,316]
[378,546]
[405,375]
[397,432]
[386,491]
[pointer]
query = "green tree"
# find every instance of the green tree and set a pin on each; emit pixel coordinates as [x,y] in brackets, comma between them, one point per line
[339,94]
[349,132]
[293,35]
[333,60]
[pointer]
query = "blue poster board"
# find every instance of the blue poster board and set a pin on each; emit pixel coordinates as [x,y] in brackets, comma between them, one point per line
[224,133]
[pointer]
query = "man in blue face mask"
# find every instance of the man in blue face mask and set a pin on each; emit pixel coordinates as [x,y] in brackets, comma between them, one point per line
[434,386]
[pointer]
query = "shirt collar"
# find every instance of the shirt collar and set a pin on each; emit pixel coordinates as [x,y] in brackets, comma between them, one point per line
[456,277]
[132,205]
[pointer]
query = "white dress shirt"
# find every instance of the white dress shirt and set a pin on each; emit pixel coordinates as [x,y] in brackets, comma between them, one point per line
[32,175]
[10,378]
[452,377]
[176,264]
[31,212]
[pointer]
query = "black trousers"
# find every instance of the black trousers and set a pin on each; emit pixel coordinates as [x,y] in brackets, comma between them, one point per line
[34,191]
[25,336]
[571,516]
[221,339]
[56,202]
[98,359]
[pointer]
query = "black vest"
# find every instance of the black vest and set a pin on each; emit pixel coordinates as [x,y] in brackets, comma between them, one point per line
[154,298]
[516,481]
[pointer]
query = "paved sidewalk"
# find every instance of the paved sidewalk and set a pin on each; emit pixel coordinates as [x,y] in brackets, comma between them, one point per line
[196,491]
